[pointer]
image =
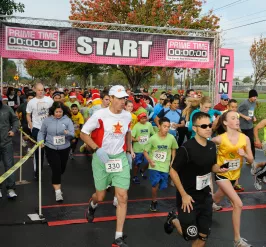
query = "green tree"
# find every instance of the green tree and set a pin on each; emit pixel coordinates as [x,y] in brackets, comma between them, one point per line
[258,57]
[247,79]
[8,7]
[9,70]
[170,13]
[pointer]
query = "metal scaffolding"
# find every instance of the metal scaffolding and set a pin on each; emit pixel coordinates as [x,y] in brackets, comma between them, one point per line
[180,32]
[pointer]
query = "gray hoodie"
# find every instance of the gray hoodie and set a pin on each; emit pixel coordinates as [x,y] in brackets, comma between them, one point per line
[8,121]
[52,130]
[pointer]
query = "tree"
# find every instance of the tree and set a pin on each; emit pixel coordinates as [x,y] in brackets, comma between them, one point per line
[9,70]
[258,58]
[247,79]
[8,7]
[171,13]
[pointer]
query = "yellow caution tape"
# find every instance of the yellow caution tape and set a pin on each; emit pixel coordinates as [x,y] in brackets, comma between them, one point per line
[19,163]
[27,136]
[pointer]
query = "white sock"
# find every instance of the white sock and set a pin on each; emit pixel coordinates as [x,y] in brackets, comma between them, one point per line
[118,235]
[93,205]
[58,191]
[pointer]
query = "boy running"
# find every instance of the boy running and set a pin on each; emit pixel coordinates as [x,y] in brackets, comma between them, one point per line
[160,152]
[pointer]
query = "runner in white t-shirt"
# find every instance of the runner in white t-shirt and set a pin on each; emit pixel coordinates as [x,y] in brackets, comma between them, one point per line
[37,110]
[107,132]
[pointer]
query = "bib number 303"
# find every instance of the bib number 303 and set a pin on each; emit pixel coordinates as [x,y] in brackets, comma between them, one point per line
[203,181]
[114,165]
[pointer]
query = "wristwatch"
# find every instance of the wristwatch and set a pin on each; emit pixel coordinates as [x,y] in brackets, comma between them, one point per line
[95,149]
[128,151]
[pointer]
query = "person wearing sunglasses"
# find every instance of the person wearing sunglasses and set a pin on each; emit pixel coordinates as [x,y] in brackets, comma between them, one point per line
[233,147]
[158,107]
[205,106]
[191,173]
[222,106]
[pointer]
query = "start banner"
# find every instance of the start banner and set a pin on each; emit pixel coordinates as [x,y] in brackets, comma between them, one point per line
[104,47]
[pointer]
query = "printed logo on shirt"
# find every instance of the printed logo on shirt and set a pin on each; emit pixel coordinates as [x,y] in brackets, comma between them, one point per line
[162,147]
[232,155]
[144,131]
[118,128]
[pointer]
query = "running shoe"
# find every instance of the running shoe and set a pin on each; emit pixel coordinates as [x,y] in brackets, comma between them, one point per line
[153,206]
[90,212]
[59,197]
[143,174]
[264,180]
[1,194]
[71,155]
[216,207]
[120,242]
[136,180]
[253,169]
[258,183]
[238,188]
[11,194]
[241,243]
[24,143]
[115,202]
[168,225]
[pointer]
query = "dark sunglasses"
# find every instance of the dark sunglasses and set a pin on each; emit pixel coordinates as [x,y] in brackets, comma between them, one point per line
[161,99]
[204,126]
[225,99]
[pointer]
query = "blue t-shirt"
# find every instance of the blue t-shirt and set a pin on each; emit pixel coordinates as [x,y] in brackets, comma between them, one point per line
[156,111]
[211,112]
[173,116]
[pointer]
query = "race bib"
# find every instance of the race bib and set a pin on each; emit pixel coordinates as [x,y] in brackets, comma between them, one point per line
[172,124]
[76,126]
[143,139]
[203,181]
[251,113]
[233,164]
[159,156]
[59,140]
[114,165]
[11,103]
[187,124]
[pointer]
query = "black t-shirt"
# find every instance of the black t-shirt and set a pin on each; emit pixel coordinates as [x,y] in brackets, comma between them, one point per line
[192,160]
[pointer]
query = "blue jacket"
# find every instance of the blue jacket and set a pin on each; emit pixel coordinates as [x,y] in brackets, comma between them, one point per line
[52,127]
[211,112]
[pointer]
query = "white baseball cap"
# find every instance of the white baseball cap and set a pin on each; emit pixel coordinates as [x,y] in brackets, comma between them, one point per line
[118,91]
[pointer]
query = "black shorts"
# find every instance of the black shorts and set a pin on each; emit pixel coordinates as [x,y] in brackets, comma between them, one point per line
[219,178]
[199,220]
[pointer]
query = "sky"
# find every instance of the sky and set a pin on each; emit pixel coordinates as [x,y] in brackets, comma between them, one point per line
[233,13]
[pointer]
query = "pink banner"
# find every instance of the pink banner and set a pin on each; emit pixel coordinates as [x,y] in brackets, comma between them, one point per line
[105,47]
[225,73]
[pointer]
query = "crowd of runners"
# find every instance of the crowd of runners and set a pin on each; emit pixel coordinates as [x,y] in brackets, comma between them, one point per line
[179,140]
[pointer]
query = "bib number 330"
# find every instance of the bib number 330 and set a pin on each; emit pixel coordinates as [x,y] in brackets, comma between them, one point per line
[114,165]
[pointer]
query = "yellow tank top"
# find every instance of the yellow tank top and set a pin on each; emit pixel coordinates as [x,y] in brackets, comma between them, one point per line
[227,152]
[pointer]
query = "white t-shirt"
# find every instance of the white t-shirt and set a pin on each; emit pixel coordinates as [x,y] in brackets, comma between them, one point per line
[39,108]
[108,130]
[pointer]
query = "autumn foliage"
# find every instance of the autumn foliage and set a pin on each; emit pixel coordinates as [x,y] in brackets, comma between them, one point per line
[162,13]
[258,58]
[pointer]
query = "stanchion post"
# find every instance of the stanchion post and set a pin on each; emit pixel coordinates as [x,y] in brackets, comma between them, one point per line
[20,154]
[40,181]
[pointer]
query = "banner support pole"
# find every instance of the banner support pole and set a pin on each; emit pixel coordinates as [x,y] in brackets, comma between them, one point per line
[1,75]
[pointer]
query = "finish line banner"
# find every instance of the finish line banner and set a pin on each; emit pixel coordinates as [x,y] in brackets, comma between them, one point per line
[104,47]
